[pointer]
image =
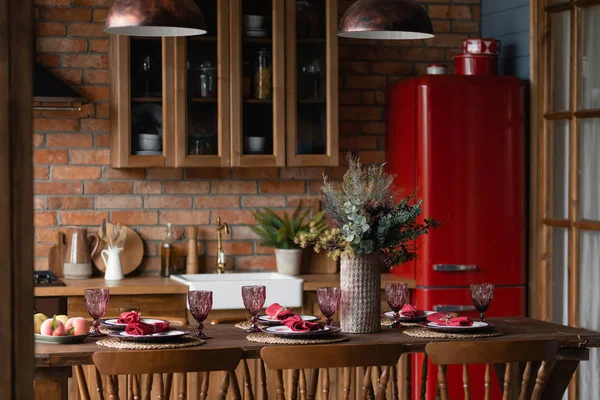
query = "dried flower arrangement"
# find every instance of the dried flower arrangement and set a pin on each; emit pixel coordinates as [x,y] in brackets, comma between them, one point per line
[365,217]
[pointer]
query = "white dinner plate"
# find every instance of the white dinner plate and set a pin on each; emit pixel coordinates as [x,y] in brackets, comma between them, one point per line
[390,315]
[284,331]
[155,337]
[266,320]
[112,323]
[477,326]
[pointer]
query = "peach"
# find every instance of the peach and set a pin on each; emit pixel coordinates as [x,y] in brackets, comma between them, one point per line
[77,326]
[52,327]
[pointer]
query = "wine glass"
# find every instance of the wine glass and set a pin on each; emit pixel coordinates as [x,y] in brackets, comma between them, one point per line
[482,296]
[395,294]
[328,299]
[200,302]
[96,301]
[254,300]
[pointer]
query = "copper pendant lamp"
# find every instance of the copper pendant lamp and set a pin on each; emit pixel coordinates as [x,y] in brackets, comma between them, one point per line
[386,19]
[155,18]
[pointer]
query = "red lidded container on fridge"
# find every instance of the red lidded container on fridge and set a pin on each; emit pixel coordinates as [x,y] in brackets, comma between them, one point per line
[480,57]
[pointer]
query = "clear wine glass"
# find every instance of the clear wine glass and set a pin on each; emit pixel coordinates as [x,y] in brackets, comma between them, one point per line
[96,302]
[328,299]
[482,296]
[200,302]
[254,299]
[395,294]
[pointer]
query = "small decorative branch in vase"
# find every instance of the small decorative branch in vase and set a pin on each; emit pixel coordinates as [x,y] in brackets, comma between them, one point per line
[368,227]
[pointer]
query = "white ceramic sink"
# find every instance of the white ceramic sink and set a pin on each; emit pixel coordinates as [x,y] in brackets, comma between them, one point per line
[227,288]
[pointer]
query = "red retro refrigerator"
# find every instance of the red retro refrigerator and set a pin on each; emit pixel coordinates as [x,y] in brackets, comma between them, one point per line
[460,140]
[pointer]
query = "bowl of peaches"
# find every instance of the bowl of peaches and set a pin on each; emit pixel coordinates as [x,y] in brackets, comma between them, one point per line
[60,329]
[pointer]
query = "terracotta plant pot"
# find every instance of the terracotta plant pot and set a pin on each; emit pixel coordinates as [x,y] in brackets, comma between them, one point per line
[288,261]
[360,304]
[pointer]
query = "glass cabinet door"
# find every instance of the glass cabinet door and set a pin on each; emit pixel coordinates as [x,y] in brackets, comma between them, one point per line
[140,103]
[312,82]
[258,83]
[202,91]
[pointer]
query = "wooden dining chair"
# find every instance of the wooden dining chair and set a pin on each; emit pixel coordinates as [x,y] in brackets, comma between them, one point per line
[141,366]
[323,357]
[497,352]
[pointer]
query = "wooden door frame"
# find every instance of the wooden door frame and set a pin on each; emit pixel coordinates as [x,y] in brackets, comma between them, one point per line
[16,202]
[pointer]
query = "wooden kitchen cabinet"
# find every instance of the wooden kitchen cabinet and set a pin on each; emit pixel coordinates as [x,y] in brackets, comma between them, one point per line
[239,96]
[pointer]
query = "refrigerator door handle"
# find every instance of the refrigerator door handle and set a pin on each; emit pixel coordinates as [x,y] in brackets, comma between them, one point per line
[454,267]
[447,308]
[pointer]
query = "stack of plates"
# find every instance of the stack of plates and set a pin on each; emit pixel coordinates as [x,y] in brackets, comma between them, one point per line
[256,32]
[285,332]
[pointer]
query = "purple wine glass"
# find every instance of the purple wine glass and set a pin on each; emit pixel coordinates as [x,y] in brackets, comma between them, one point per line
[482,296]
[254,299]
[200,303]
[395,294]
[96,302]
[328,299]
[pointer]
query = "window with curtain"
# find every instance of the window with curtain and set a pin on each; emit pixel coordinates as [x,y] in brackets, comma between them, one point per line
[568,73]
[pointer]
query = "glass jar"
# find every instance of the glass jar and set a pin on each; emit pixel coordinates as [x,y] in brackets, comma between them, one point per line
[263,75]
[207,80]
[308,21]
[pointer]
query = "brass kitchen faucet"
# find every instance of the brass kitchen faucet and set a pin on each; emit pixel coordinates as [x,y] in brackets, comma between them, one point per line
[220,253]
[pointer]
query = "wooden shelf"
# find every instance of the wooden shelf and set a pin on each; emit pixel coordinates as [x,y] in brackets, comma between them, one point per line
[204,99]
[203,38]
[312,101]
[258,101]
[258,40]
[312,41]
[147,99]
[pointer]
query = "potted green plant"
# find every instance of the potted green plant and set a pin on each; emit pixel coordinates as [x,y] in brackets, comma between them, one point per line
[281,233]
[369,227]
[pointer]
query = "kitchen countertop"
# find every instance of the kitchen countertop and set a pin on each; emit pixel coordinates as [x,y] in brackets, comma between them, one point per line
[313,281]
[160,285]
[128,286]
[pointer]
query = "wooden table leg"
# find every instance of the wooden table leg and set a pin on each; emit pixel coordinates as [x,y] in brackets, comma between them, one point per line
[51,383]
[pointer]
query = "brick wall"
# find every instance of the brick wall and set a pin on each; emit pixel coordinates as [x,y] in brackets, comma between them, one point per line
[74,184]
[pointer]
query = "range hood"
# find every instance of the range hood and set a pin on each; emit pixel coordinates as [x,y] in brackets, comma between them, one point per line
[48,88]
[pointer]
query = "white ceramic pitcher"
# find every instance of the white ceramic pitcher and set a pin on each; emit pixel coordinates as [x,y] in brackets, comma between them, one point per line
[112,260]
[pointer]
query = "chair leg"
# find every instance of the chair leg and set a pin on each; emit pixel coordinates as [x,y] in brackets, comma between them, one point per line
[235,386]
[313,384]
[84,393]
[224,386]
[279,385]
[424,368]
[347,382]
[204,386]
[383,382]
[248,394]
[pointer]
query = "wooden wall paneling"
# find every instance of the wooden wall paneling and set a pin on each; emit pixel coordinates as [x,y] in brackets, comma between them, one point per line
[16,211]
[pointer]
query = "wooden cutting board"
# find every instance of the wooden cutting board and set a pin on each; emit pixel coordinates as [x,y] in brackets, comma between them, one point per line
[56,255]
[132,255]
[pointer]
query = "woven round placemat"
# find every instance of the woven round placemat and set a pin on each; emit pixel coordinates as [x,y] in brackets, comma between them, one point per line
[115,343]
[267,338]
[246,325]
[422,332]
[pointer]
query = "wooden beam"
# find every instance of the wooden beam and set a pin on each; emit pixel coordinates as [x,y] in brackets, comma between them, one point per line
[16,211]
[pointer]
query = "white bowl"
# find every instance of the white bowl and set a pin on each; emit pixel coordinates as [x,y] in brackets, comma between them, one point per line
[255,144]
[254,21]
[148,142]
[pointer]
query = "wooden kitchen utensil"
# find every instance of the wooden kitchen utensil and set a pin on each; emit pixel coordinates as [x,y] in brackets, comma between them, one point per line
[56,255]
[192,266]
[133,250]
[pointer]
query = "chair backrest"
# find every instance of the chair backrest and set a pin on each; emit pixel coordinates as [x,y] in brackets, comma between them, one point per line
[323,357]
[142,365]
[496,352]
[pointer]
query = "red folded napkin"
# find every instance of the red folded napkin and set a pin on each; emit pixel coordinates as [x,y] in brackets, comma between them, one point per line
[141,328]
[410,311]
[297,324]
[444,319]
[277,311]
[128,317]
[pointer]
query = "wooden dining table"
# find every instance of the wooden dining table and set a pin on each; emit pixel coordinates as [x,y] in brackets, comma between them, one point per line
[53,362]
